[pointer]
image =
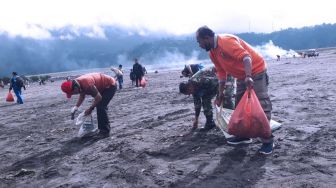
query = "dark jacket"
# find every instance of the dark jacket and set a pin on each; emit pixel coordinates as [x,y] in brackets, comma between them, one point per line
[16,83]
[137,69]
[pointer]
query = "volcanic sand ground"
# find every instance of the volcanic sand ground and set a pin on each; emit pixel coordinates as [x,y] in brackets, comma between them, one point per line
[152,145]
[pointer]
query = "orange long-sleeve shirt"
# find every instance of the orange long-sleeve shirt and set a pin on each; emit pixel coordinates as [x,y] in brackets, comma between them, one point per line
[228,57]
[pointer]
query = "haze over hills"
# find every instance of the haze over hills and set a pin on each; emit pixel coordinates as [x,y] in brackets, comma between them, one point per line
[72,48]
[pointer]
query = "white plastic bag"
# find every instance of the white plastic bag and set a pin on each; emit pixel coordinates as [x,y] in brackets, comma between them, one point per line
[86,124]
[222,119]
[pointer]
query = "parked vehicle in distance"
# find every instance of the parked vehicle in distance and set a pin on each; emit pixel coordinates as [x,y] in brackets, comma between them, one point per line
[310,53]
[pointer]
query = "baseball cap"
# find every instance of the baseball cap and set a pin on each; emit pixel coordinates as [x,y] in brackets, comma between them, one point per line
[67,88]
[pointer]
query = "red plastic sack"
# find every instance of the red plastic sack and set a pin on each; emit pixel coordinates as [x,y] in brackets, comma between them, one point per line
[10,97]
[143,82]
[249,119]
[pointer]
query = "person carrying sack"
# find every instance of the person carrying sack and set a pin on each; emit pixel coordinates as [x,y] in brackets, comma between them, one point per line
[232,55]
[101,87]
[119,75]
[17,83]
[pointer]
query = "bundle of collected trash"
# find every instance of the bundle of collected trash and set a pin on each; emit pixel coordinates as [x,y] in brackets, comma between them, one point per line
[86,125]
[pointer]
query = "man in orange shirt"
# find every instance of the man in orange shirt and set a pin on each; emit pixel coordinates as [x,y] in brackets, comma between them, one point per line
[101,87]
[232,55]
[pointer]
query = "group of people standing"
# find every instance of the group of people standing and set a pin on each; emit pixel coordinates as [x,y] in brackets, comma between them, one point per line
[236,63]
[136,74]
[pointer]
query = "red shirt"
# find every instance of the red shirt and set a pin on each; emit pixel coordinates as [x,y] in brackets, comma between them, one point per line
[228,57]
[101,81]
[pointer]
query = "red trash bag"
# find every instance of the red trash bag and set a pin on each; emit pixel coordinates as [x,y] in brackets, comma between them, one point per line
[10,97]
[143,82]
[249,119]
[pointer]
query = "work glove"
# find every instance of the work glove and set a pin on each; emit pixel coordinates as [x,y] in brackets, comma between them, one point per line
[73,111]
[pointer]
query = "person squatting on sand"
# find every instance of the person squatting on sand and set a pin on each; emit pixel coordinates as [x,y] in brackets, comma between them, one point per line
[17,83]
[138,71]
[232,55]
[101,87]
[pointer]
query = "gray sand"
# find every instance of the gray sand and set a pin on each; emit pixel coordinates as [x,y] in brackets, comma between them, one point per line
[152,145]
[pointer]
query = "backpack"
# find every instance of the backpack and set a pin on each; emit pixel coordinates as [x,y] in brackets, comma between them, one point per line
[19,82]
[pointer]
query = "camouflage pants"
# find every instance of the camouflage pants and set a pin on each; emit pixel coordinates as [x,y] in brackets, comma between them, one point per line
[229,92]
[205,102]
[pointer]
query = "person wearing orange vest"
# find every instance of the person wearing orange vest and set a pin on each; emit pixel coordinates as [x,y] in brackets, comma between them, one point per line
[101,87]
[232,55]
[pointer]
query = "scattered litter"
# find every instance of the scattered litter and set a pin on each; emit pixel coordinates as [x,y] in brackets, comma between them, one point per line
[179,172]
[24,172]
[86,125]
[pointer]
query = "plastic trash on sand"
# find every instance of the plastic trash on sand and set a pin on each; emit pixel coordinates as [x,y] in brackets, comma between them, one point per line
[223,116]
[86,125]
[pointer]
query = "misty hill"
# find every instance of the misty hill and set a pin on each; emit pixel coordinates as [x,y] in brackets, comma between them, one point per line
[319,36]
[72,48]
[68,49]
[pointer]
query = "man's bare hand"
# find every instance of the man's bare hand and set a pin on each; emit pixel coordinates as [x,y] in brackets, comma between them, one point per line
[249,82]
[88,111]
[195,123]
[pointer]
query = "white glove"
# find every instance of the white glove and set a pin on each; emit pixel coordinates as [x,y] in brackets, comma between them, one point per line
[74,109]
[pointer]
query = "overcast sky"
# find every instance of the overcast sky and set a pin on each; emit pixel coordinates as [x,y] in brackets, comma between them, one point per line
[32,17]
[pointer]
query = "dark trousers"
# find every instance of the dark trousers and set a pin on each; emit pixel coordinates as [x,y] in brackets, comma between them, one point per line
[138,80]
[17,92]
[120,81]
[103,120]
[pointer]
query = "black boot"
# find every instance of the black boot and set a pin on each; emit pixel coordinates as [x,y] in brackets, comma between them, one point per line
[209,124]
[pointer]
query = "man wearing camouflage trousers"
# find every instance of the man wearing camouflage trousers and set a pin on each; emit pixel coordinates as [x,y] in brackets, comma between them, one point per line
[204,87]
